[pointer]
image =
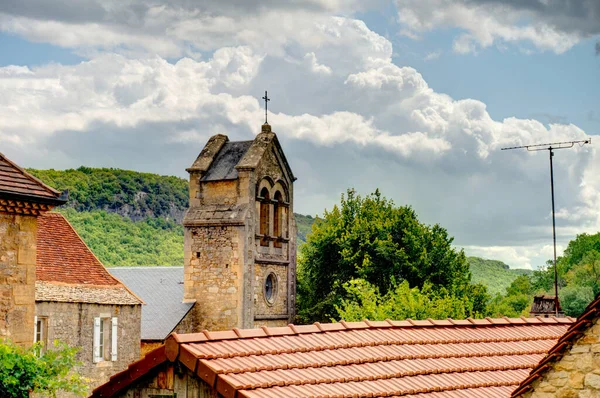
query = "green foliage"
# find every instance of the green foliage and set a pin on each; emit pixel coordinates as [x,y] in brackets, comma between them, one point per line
[118,241]
[371,239]
[23,371]
[574,299]
[517,300]
[116,190]
[578,274]
[494,274]
[365,302]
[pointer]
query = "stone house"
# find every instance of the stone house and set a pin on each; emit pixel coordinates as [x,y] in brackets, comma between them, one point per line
[572,367]
[240,235]
[77,301]
[23,198]
[437,359]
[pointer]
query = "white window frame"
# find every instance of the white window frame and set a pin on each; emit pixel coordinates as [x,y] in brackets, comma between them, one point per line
[114,335]
[101,338]
[40,333]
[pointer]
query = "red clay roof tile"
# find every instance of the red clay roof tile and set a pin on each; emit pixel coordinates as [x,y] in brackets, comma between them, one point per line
[443,359]
[63,257]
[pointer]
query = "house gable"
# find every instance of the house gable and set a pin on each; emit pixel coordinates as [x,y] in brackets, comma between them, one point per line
[570,369]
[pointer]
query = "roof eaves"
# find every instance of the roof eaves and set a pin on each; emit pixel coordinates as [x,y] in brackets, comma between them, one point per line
[123,379]
[31,177]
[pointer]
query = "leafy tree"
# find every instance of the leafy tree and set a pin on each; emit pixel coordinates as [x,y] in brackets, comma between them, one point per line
[574,299]
[587,272]
[578,274]
[23,370]
[516,302]
[373,240]
[365,302]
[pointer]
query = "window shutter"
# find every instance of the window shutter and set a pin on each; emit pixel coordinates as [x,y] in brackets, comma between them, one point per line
[113,345]
[97,356]
[35,328]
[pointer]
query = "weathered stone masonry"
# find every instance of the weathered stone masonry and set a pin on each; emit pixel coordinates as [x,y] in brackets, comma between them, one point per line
[576,374]
[18,236]
[240,235]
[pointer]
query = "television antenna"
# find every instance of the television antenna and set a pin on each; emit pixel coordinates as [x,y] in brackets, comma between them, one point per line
[551,147]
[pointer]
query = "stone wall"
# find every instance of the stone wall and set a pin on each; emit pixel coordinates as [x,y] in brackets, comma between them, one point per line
[18,236]
[279,304]
[213,276]
[219,192]
[576,374]
[73,323]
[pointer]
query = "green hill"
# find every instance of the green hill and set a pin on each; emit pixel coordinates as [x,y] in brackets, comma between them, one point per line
[496,275]
[303,226]
[128,193]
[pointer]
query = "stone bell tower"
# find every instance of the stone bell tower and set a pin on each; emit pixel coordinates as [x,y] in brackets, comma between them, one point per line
[240,235]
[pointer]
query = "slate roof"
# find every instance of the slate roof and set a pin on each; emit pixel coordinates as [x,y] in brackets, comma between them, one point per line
[223,166]
[65,261]
[448,358]
[16,182]
[576,330]
[161,288]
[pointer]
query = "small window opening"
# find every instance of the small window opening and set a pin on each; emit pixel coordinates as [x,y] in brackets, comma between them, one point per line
[264,216]
[278,218]
[270,288]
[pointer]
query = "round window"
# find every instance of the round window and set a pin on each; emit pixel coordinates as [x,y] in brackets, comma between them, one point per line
[270,288]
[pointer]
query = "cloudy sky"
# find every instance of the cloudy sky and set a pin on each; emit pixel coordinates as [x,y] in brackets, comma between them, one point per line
[415,97]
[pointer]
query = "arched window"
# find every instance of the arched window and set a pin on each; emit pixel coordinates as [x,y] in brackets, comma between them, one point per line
[264,216]
[278,218]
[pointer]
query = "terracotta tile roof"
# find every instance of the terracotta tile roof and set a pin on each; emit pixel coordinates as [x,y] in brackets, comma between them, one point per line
[14,181]
[447,358]
[63,258]
[575,331]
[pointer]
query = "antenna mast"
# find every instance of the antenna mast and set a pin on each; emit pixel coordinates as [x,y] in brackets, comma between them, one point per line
[550,148]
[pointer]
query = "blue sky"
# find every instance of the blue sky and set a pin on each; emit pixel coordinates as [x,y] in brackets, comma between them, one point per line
[414,97]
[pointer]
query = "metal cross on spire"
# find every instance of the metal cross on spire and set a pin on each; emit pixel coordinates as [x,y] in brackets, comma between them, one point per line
[267,99]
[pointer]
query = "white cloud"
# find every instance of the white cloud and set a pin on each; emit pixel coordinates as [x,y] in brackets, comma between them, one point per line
[432,56]
[315,67]
[491,22]
[347,115]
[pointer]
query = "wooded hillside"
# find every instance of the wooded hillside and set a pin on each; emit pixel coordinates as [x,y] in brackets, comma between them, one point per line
[496,275]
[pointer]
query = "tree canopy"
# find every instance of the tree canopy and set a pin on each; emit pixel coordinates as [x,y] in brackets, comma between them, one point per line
[368,245]
[578,274]
[24,370]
